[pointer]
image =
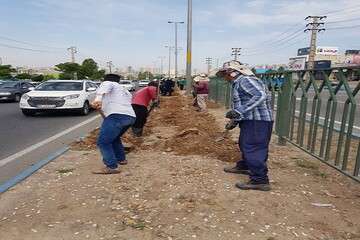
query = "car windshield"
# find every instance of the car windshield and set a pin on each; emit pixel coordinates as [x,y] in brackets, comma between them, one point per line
[124,82]
[9,84]
[60,86]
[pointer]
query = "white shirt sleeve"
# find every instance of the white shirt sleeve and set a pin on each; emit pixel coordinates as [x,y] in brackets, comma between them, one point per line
[105,88]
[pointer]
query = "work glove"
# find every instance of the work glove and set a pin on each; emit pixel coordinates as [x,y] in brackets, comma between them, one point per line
[231,125]
[232,115]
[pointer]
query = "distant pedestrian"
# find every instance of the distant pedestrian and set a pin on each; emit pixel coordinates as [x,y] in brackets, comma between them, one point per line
[168,87]
[202,91]
[251,109]
[114,101]
[140,104]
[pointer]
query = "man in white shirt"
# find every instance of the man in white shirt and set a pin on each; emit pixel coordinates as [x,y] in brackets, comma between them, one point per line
[115,103]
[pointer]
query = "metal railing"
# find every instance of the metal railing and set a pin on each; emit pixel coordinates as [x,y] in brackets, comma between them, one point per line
[321,117]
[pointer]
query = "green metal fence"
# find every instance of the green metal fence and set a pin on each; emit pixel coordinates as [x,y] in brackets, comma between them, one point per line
[321,117]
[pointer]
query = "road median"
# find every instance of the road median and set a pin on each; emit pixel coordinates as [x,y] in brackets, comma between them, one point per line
[174,188]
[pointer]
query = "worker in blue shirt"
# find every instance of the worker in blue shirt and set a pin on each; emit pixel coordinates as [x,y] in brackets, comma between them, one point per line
[251,110]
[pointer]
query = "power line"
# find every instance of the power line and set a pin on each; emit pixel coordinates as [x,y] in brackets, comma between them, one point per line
[352,9]
[28,43]
[276,40]
[277,49]
[342,21]
[279,44]
[344,27]
[26,49]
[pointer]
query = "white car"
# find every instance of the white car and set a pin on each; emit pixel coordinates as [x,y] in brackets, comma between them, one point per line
[144,83]
[59,95]
[128,85]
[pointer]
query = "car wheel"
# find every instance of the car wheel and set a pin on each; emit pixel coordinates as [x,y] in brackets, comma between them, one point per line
[17,97]
[28,113]
[85,109]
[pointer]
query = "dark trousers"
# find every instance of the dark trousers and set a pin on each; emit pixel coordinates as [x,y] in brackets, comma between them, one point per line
[141,113]
[109,140]
[254,142]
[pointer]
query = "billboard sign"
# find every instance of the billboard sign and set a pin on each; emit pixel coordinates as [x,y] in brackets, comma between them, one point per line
[348,52]
[352,59]
[327,51]
[303,51]
[297,63]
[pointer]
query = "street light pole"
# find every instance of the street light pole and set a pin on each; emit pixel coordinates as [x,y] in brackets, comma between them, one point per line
[169,70]
[162,65]
[189,49]
[176,47]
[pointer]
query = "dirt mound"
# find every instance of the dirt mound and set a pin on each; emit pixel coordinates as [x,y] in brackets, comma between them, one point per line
[189,133]
[196,133]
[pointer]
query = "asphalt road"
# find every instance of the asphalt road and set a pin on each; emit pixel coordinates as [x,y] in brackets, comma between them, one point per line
[18,132]
[341,98]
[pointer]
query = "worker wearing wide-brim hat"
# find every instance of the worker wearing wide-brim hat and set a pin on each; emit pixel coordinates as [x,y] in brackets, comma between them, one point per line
[251,109]
[201,88]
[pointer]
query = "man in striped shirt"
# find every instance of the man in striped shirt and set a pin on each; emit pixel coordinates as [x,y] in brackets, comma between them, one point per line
[251,109]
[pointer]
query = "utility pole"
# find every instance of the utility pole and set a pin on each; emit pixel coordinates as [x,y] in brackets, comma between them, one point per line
[110,65]
[176,46]
[189,49]
[209,62]
[315,26]
[235,52]
[169,70]
[72,50]
[162,65]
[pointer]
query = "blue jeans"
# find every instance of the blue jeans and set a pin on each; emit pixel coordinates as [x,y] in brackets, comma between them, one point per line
[109,140]
[254,142]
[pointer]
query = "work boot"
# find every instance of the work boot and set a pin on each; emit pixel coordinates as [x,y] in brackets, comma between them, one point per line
[251,185]
[236,170]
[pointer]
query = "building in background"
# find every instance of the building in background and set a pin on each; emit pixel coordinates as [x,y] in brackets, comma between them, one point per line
[326,57]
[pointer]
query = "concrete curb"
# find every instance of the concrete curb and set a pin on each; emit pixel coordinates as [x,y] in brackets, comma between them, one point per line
[32,169]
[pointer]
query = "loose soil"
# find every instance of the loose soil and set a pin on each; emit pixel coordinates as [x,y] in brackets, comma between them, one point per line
[174,188]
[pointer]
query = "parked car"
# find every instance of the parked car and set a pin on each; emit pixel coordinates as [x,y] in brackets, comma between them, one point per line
[98,83]
[143,83]
[13,90]
[59,95]
[128,85]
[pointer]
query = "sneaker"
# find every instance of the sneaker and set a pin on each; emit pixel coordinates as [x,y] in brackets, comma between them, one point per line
[236,170]
[125,162]
[253,186]
[106,171]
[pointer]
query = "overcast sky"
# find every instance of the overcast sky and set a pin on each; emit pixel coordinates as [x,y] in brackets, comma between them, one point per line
[134,32]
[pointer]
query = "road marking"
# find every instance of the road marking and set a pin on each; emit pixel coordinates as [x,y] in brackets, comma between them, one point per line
[337,122]
[15,156]
[322,118]
[299,99]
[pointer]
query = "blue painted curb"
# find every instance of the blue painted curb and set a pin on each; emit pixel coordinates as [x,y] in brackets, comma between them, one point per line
[30,170]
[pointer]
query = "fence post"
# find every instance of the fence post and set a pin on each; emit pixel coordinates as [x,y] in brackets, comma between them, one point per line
[283,114]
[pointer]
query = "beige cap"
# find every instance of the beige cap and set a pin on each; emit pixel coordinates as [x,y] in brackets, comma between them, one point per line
[236,66]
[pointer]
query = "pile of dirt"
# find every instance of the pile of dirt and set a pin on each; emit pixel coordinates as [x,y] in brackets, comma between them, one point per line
[89,142]
[195,133]
[190,133]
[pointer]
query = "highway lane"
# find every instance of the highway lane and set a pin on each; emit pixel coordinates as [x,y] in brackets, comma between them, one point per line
[18,132]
